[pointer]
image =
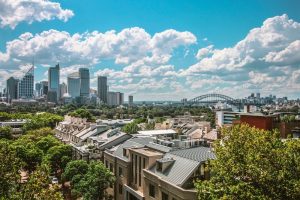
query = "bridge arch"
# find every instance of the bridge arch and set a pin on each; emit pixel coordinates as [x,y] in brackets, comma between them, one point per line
[213,98]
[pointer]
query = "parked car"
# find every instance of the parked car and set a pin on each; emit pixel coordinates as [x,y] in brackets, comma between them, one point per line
[54,180]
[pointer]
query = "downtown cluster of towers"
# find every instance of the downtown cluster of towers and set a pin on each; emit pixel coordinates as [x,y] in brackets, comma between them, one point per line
[77,88]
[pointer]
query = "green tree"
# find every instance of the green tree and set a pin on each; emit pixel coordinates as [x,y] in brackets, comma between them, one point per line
[38,186]
[5,132]
[74,172]
[9,170]
[94,183]
[28,153]
[253,164]
[45,143]
[131,128]
[82,113]
[42,120]
[58,157]
[73,168]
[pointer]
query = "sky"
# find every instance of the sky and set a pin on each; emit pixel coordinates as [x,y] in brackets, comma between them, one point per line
[158,50]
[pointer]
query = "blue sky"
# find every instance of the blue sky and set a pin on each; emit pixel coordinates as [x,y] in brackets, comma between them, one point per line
[177,49]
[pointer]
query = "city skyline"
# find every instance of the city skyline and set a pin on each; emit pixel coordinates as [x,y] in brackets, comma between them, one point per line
[155,55]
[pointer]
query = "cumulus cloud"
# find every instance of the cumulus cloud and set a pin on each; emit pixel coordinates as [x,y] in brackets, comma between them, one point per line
[13,12]
[266,60]
[141,54]
[131,45]
[273,42]
[204,52]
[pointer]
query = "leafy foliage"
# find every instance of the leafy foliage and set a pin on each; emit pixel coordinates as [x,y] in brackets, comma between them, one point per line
[131,128]
[9,170]
[5,132]
[82,113]
[32,147]
[42,120]
[253,164]
[93,185]
[58,157]
[37,187]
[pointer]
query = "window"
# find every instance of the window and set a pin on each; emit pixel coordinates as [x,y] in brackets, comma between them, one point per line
[120,189]
[140,171]
[164,196]
[120,171]
[125,152]
[111,167]
[135,168]
[158,166]
[106,164]
[144,163]
[151,190]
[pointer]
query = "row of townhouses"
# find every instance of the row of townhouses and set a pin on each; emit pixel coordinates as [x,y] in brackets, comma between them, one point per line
[155,164]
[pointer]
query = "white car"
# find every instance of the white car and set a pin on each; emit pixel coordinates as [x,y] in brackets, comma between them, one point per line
[54,180]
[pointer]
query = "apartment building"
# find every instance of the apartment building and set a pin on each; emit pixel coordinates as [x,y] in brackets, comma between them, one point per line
[146,170]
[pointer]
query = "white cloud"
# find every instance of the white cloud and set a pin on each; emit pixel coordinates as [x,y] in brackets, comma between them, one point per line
[266,60]
[275,35]
[130,46]
[289,55]
[13,12]
[204,52]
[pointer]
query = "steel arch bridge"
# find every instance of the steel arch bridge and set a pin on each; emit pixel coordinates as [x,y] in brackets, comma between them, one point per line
[213,98]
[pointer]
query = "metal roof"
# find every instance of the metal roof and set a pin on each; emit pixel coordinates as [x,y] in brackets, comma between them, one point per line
[186,161]
[159,147]
[179,171]
[133,142]
[199,154]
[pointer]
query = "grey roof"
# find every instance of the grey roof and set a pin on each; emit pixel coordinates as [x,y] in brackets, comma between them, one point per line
[159,147]
[179,171]
[133,142]
[186,161]
[199,154]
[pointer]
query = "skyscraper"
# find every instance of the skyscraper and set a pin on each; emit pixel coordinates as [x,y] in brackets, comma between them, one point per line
[44,90]
[102,88]
[11,89]
[53,81]
[74,85]
[26,84]
[115,98]
[38,89]
[63,89]
[84,75]
[130,100]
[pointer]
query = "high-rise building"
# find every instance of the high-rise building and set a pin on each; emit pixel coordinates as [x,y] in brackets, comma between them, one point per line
[115,98]
[52,96]
[63,89]
[84,75]
[102,88]
[53,81]
[74,85]
[258,95]
[26,84]
[121,98]
[38,89]
[112,98]
[44,90]
[130,100]
[11,89]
